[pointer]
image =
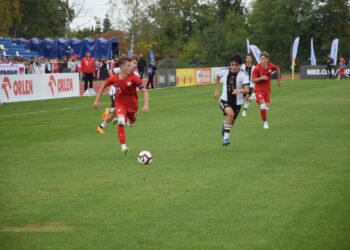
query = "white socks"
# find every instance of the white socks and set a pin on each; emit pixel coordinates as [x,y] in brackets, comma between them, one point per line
[227,129]
[246,105]
[264,106]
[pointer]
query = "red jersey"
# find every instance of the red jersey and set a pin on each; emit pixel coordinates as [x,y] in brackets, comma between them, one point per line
[342,66]
[125,89]
[87,65]
[260,71]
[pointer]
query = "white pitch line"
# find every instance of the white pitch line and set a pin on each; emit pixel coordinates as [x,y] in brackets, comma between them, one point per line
[44,111]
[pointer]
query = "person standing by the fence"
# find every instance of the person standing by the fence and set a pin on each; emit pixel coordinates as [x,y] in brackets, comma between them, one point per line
[151,73]
[88,70]
[141,65]
[329,63]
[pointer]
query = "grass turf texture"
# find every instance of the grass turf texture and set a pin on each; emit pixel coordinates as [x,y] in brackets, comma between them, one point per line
[62,186]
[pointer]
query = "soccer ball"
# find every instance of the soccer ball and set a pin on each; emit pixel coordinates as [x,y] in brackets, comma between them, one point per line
[144,158]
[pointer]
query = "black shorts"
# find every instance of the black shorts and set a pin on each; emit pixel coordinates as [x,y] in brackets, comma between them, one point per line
[236,108]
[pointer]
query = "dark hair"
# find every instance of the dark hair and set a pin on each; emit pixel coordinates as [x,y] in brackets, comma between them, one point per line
[237,59]
[249,55]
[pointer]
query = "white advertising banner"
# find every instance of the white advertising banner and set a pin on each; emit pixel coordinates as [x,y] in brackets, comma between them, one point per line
[334,50]
[18,88]
[256,52]
[12,69]
[295,50]
[312,56]
[215,71]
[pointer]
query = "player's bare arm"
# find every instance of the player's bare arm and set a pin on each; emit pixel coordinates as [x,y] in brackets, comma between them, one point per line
[245,90]
[145,107]
[110,72]
[96,103]
[216,93]
[278,77]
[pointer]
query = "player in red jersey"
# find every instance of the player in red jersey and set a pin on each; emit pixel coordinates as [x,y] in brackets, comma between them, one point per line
[126,101]
[342,72]
[109,113]
[262,76]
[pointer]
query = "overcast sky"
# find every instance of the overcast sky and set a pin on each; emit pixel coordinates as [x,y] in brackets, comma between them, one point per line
[94,8]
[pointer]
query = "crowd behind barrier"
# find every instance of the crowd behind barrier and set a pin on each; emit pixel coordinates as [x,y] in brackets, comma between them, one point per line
[41,65]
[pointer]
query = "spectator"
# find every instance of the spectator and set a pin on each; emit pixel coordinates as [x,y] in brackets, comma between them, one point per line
[64,65]
[72,65]
[151,73]
[31,65]
[329,63]
[48,67]
[88,70]
[39,66]
[141,65]
[103,70]
[55,65]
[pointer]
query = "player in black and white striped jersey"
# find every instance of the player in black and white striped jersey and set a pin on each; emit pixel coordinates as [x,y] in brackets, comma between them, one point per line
[235,83]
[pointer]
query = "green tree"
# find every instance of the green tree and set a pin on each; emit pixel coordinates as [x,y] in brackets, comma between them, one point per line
[10,12]
[171,23]
[274,25]
[83,33]
[329,20]
[226,6]
[43,18]
[107,24]
[215,40]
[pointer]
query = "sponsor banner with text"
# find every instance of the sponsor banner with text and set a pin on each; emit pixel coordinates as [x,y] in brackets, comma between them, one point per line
[203,76]
[215,71]
[18,88]
[319,71]
[12,69]
[185,77]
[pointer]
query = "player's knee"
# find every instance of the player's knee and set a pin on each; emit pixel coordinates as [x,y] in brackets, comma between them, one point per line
[230,116]
[121,120]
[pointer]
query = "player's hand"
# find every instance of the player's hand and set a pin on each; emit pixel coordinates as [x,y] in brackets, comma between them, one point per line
[216,94]
[264,78]
[145,109]
[96,104]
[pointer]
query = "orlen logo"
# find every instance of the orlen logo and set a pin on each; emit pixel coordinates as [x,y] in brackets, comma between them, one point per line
[19,87]
[62,85]
[52,83]
[6,83]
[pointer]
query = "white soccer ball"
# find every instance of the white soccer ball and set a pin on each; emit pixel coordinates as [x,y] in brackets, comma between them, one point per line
[144,158]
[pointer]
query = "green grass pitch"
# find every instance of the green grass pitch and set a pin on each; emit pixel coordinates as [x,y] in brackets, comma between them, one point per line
[63,186]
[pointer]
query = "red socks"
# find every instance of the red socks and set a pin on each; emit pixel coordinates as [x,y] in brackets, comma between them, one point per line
[121,134]
[263,114]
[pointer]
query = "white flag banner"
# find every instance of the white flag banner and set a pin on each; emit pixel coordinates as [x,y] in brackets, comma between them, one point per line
[312,56]
[334,50]
[256,52]
[248,49]
[295,50]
